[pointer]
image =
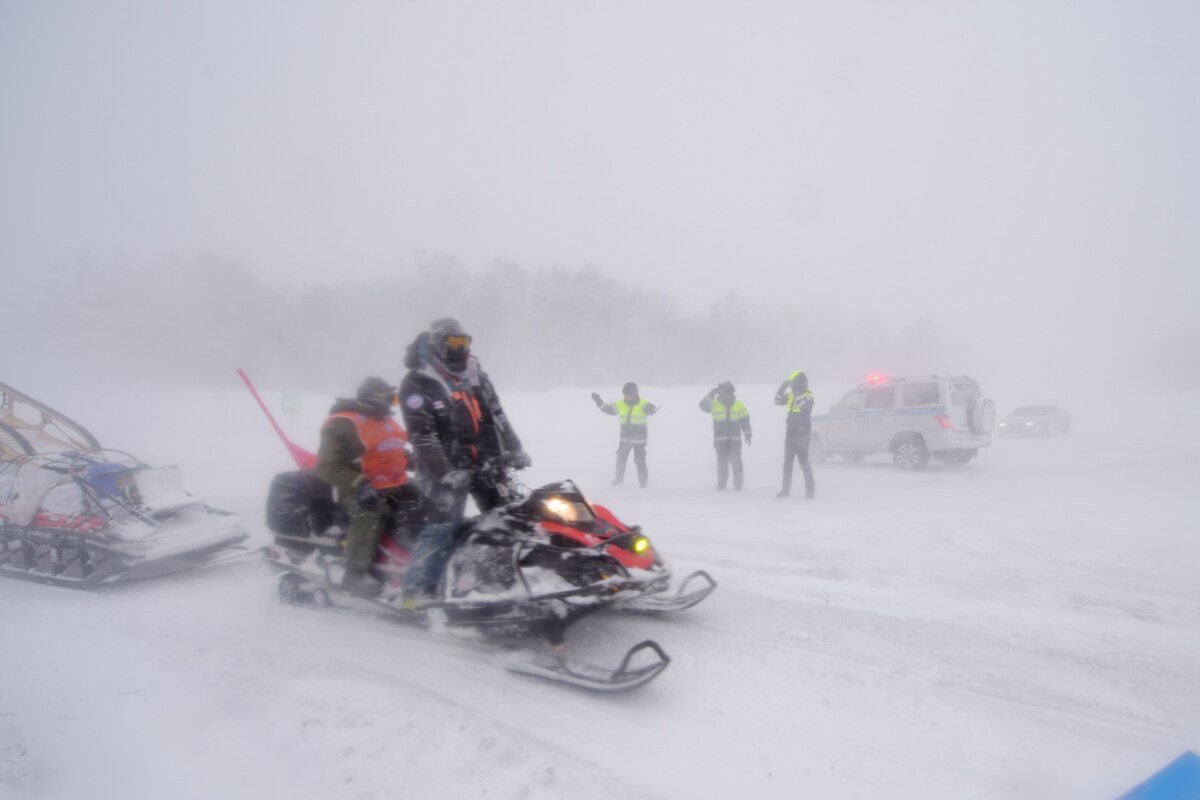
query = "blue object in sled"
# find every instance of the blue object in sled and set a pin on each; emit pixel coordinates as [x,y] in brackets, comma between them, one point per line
[106,478]
[1179,780]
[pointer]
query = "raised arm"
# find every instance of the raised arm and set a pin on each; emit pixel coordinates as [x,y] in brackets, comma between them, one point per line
[603,406]
[782,392]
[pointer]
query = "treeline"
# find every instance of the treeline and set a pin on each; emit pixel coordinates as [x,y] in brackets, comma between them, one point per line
[195,319]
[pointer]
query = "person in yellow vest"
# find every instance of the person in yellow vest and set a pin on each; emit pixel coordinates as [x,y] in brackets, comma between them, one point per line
[794,394]
[731,421]
[363,455]
[632,411]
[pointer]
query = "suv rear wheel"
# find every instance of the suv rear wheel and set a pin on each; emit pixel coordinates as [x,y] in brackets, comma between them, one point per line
[956,458]
[816,450]
[910,452]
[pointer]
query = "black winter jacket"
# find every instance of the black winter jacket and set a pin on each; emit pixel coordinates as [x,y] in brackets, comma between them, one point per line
[454,419]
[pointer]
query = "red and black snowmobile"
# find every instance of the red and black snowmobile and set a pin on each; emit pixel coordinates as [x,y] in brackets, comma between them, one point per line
[75,514]
[523,571]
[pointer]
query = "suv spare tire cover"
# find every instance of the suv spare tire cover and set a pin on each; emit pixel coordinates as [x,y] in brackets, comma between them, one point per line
[983,416]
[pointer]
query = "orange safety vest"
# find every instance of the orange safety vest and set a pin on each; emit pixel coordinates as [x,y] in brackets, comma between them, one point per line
[384,462]
[468,399]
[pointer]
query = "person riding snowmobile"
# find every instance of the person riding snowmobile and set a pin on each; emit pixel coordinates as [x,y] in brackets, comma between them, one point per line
[363,456]
[460,435]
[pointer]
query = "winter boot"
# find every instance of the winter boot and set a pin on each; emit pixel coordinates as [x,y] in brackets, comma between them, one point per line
[360,584]
[782,493]
[416,600]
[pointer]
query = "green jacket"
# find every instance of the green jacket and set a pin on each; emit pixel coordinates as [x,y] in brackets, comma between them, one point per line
[339,457]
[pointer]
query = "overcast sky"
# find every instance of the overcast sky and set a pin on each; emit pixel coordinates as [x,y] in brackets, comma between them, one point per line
[962,158]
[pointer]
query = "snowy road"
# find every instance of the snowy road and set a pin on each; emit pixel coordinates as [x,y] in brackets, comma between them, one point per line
[1025,627]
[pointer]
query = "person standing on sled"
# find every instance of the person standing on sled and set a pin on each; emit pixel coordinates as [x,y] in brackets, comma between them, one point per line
[461,439]
[633,412]
[363,456]
[731,421]
[794,394]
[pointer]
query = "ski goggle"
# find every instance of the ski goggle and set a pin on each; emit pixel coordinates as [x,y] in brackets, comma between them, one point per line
[393,398]
[458,341]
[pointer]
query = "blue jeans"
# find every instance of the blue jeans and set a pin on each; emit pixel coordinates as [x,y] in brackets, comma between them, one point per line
[432,551]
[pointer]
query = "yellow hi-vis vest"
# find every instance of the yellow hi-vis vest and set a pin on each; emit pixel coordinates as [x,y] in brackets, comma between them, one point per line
[728,420]
[633,419]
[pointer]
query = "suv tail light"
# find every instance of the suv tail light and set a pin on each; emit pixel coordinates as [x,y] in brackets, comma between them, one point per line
[944,421]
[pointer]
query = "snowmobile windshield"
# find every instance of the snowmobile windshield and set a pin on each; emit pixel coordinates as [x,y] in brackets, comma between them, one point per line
[567,509]
[560,502]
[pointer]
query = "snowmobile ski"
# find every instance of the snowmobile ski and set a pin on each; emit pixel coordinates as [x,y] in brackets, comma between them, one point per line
[633,671]
[659,604]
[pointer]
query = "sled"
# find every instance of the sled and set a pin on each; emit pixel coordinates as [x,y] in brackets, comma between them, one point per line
[73,513]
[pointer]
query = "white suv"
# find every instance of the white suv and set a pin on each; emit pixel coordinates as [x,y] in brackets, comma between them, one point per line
[913,418]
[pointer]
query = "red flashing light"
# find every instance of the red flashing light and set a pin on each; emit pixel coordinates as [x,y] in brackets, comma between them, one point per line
[944,421]
[875,378]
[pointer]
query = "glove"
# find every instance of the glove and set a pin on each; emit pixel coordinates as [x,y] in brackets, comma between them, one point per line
[596,399]
[747,440]
[450,490]
[444,500]
[519,460]
[366,496]
[713,392]
[456,480]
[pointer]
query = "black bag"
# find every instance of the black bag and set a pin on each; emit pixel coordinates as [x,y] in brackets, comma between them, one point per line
[301,504]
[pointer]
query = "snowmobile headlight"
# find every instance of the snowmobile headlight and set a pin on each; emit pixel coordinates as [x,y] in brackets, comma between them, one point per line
[640,545]
[560,508]
[569,511]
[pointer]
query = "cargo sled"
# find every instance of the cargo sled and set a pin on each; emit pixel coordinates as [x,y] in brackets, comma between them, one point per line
[73,513]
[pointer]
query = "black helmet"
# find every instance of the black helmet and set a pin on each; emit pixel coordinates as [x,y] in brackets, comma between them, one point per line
[449,342]
[726,388]
[630,389]
[377,393]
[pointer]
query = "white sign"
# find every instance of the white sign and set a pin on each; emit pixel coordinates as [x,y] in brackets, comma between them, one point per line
[293,402]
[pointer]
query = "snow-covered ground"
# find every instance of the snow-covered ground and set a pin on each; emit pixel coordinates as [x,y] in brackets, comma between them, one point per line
[1026,627]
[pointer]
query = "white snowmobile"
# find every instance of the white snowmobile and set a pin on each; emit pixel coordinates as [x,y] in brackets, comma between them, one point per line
[75,514]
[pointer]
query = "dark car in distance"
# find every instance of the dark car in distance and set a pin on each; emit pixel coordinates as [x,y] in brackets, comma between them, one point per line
[1035,421]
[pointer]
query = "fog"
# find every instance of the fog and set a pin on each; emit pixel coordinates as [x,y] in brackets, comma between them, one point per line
[1004,191]
[674,193]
